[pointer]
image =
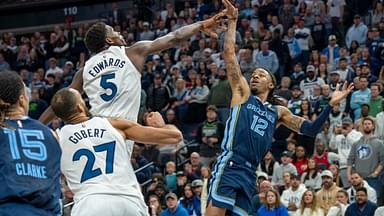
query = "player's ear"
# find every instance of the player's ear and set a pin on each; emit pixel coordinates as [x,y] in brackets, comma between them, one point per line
[108,40]
[80,108]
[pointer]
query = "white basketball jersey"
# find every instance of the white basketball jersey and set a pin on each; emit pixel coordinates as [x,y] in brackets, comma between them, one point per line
[112,84]
[95,160]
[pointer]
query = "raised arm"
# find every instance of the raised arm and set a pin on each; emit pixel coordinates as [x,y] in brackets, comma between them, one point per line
[166,134]
[77,83]
[239,85]
[138,52]
[311,128]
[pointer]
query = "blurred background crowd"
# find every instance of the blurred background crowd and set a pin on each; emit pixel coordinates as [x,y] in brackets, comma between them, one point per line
[310,46]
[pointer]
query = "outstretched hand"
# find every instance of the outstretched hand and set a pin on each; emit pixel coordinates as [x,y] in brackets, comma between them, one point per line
[209,25]
[338,95]
[230,10]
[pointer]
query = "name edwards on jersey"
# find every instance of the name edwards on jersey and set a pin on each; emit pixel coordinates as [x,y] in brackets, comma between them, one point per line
[89,133]
[106,63]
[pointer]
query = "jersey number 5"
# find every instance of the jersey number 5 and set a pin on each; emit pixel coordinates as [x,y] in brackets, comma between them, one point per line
[105,84]
[89,172]
[259,125]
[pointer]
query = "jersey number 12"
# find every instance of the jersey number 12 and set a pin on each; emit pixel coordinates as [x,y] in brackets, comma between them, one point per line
[259,125]
[89,172]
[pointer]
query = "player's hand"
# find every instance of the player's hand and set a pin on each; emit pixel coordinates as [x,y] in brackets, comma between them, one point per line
[338,95]
[210,24]
[230,10]
[154,119]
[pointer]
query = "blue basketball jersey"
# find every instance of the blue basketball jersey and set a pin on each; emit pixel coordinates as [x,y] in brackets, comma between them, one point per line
[29,166]
[250,129]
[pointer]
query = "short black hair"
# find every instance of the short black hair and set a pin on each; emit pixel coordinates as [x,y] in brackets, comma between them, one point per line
[11,87]
[95,37]
[64,104]
[362,189]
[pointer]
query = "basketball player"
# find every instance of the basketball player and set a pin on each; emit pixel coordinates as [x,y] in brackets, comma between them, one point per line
[29,156]
[95,160]
[111,78]
[249,130]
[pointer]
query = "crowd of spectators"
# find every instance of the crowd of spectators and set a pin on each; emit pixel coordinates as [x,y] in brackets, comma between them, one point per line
[310,46]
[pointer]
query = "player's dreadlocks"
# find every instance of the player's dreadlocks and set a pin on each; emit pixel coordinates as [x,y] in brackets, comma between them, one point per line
[11,87]
[272,98]
[95,37]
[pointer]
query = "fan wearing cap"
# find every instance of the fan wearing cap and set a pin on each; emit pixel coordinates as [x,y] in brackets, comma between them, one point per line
[332,50]
[358,32]
[291,197]
[111,78]
[342,142]
[53,68]
[310,81]
[326,196]
[173,206]
[255,113]
[285,166]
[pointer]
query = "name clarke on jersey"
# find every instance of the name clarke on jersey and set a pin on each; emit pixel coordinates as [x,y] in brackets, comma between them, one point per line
[106,63]
[28,169]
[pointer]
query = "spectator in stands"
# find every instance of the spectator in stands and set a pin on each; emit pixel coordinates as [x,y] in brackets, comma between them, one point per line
[360,97]
[138,161]
[326,196]
[205,176]
[285,166]
[309,205]
[283,90]
[3,64]
[310,81]
[358,32]
[170,177]
[209,135]
[272,205]
[304,38]
[362,206]
[341,205]
[358,182]
[181,181]
[343,143]
[267,58]
[36,105]
[197,98]
[53,68]
[259,198]
[189,202]
[173,207]
[364,113]
[158,95]
[332,50]
[291,197]
[220,95]
[334,168]
[196,165]
[379,132]
[376,101]
[312,177]
[367,156]
[321,155]
[295,102]
[300,160]
[154,205]
[268,165]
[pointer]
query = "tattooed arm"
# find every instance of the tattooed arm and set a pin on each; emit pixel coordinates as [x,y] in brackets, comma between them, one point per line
[138,52]
[299,124]
[239,85]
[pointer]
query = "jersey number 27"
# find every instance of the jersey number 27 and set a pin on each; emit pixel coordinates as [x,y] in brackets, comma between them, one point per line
[89,172]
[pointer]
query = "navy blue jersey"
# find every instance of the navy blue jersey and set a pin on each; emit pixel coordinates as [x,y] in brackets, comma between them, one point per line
[250,129]
[29,166]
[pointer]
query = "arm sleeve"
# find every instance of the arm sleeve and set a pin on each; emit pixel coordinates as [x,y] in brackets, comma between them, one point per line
[311,128]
